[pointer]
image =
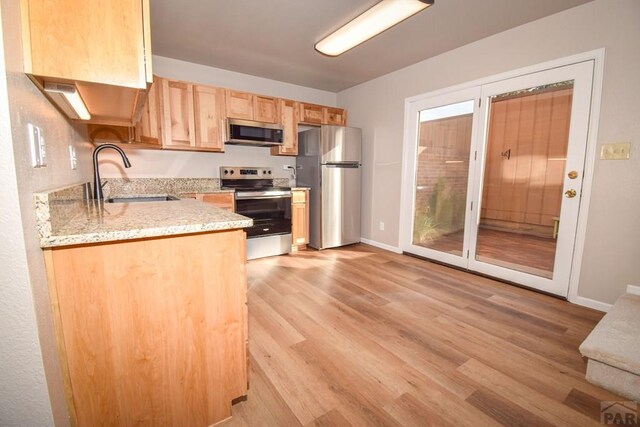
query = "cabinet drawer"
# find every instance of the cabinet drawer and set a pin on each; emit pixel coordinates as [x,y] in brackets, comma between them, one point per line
[224,201]
[298,197]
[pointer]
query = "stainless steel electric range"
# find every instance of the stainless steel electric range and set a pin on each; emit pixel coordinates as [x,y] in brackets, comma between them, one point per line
[269,206]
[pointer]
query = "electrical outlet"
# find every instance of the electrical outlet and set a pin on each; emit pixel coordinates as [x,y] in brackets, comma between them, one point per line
[73,159]
[615,151]
[36,144]
[381,226]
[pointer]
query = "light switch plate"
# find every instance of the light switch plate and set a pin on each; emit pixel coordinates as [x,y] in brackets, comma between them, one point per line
[73,159]
[36,144]
[615,151]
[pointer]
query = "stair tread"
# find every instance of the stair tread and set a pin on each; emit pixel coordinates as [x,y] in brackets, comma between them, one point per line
[616,338]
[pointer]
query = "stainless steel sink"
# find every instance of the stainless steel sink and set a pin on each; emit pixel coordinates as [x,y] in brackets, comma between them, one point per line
[141,199]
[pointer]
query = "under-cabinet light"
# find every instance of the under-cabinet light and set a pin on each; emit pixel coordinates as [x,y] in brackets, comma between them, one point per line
[379,18]
[67,97]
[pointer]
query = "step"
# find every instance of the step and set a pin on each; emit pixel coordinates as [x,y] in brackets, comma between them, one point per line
[613,349]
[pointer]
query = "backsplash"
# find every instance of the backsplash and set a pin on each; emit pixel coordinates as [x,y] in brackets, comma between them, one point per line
[116,187]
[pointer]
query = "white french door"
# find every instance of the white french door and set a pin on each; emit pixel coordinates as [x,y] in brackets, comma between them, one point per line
[493,176]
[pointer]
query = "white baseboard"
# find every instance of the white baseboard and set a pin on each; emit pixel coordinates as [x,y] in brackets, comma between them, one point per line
[633,289]
[591,303]
[381,245]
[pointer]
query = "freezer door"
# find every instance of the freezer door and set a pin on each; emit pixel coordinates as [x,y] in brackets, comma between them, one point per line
[340,205]
[341,144]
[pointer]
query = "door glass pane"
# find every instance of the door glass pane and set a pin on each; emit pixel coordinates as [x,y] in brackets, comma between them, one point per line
[528,133]
[442,170]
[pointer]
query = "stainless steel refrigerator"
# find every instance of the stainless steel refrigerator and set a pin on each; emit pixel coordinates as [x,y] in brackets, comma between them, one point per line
[329,162]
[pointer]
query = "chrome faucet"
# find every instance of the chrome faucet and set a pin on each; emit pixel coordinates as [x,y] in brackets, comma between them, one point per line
[97,187]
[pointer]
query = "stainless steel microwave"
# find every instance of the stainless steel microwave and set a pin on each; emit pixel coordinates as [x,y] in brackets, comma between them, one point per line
[244,132]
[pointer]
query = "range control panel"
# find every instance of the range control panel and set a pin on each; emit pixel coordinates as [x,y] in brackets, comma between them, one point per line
[236,172]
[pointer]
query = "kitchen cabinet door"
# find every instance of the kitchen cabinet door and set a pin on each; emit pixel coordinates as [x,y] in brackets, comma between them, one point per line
[101,47]
[148,128]
[209,110]
[266,109]
[335,116]
[311,113]
[160,337]
[178,124]
[299,219]
[289,118]
[239,105]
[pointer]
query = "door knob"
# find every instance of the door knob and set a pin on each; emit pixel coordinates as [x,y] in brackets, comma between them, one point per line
[573,175]
[569,194]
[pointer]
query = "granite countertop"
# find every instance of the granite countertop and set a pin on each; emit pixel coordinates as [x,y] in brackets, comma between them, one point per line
[65,219]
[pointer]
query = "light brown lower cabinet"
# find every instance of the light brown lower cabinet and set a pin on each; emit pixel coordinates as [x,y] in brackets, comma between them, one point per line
[299,219]
[224,201]
[152,331]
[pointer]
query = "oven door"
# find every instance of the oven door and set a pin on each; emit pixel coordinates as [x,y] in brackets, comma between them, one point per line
[270,211]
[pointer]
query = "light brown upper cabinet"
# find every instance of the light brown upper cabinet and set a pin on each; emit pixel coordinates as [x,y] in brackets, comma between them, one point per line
[249,106]
[335,116]
[239,105]
[320,115]
[177,114]
[147,130]
[311,113]
[191,116]
[266,109]
[146,133]
[101,47]
[209,110]
[289,118]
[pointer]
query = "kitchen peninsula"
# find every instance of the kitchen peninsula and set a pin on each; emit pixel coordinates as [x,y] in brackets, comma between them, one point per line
[149,304]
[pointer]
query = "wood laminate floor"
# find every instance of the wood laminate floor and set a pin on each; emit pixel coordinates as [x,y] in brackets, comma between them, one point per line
[361,336]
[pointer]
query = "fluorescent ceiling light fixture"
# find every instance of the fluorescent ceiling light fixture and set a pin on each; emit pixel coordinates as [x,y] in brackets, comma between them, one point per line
[379,18]
[67,97]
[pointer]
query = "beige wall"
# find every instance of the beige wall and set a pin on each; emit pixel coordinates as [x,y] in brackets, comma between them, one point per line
[30,380]
[612,245]
[147,163]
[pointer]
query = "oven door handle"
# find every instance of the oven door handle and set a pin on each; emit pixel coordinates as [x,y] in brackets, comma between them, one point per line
[249,195]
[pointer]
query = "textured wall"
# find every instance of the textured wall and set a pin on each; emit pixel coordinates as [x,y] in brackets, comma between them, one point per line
[612,247]
[30,381]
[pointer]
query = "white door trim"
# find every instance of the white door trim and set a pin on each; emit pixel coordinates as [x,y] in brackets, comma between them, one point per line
[597,56]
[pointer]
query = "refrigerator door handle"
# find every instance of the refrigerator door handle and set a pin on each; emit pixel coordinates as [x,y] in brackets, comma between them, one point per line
[352,165]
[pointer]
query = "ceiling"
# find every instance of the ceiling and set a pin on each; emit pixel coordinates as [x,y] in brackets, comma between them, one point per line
[275,38]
